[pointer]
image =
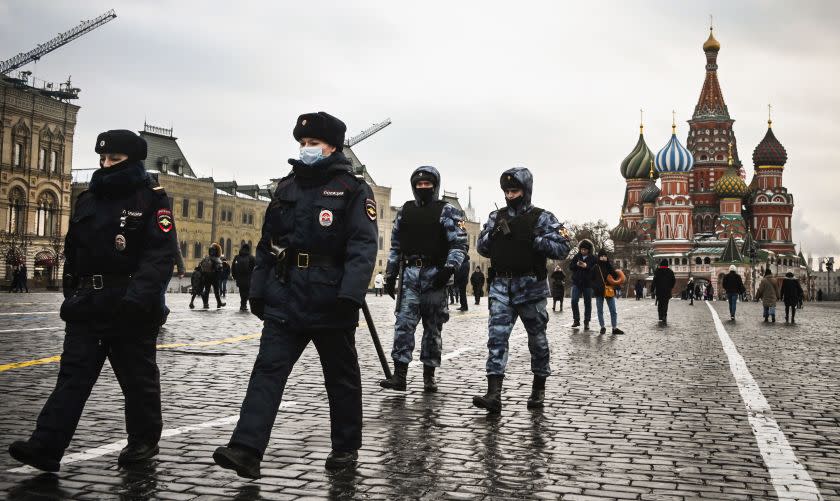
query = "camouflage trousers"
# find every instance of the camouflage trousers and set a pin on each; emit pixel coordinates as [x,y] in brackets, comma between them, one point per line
[503,315]
[431,307]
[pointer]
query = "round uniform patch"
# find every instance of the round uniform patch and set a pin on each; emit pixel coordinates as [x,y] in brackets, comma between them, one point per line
[119,243]
[325,218]
[102,143]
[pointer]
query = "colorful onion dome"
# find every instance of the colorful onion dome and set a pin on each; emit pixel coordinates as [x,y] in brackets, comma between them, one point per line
[711,44]
[674,157]
[650,193]
[635,165]
[731,185]
[622,233]
[769,151]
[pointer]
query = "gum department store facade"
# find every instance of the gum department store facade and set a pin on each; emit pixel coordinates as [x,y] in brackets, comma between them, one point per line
[704,217]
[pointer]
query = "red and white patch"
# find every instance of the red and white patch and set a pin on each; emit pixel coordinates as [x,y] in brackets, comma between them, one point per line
[325,218]
[164,220]
[370,209]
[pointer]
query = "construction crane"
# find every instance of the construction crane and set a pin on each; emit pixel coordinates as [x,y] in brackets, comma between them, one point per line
[64,38]
[361,136]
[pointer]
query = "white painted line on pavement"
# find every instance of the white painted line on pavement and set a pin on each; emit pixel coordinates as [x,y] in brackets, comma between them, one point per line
[116,446]
[789,477]
[57,328]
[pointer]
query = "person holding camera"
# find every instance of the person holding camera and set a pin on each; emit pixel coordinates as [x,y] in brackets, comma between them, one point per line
[582,267]
[519,239]
[428,244]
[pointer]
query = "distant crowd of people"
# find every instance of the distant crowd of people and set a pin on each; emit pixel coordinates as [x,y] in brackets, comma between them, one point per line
[18,283]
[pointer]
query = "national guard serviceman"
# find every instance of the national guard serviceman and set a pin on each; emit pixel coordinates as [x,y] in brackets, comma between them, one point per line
[428,243]
[120,249]
[314,262]
[518,240]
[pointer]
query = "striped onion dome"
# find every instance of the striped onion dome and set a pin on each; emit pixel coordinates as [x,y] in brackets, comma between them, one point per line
[649,193]
[674,157]
[636,164]
[731,185]
[622,233]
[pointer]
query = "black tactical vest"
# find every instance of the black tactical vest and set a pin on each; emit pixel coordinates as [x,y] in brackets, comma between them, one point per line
[514,253]
[421,232]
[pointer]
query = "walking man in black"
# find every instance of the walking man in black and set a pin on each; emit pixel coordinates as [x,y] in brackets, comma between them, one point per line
[663,284]
[243,267]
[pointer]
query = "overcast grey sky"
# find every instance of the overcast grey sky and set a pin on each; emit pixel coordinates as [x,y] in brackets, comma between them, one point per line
[472,87]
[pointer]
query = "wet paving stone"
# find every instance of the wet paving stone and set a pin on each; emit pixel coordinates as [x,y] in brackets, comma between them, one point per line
[655,414]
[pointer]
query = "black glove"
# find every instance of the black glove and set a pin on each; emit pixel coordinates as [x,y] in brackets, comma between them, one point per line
[442,278]
[128,309]
[257,307]
[391,287]
[68,285]
[346,309]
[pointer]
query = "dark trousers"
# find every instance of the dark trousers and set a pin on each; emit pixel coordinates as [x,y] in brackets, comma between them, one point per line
[478,298]
[790,310]
[244,292]
[462,293]
[280,348]
[208,283]
[560,293]
[662,306]
[577,293]
[132,358]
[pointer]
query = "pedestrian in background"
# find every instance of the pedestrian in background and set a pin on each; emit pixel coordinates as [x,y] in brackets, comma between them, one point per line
[582,267]
[734,287]
[689,291]
[23,278]
[211,268]
[197,285]
[378,283]
[224,276]
[477,281]
[558,287]
[15,283]
[119,253]
[462,278]
[639,290]
[791,294]
[314,262]
[768,292]
[242,269]
[710,292]
[603,287]
[663,283]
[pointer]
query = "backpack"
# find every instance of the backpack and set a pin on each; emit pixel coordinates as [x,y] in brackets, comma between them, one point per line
[207,265]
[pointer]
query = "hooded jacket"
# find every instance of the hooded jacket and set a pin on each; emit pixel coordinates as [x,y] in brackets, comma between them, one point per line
[550,239]
[243,267]
[663,281]
[733,284]
[584,277]
[452,225]
[791,291]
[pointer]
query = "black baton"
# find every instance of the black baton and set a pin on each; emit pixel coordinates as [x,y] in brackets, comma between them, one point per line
[373,335]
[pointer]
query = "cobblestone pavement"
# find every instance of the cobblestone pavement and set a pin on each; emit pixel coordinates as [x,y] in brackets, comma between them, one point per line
[655,414]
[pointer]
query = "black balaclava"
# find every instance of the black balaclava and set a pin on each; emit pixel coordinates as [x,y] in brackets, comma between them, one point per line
[509,182]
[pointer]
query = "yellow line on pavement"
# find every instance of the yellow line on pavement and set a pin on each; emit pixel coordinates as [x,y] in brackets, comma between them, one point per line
[49,360]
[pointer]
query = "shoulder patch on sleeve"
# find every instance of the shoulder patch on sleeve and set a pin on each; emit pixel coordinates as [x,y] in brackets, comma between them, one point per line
[564,233]
[370,209]
[462,224]
[164,220]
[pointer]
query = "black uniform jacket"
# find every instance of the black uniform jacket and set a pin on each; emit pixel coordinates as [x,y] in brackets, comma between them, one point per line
[326,213]
[121,228]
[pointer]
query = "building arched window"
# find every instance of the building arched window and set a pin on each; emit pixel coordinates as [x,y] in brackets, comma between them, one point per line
[17,211]
[707,260]
[222,245]
[697,260]
[53,161]
[380,242]
[197,250]
[47,215]
[228,248]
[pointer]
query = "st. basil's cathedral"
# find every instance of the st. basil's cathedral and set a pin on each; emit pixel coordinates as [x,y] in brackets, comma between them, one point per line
[703,216]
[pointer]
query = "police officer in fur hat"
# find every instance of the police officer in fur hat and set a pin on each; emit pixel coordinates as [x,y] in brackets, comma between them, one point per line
[313,265]
[120,249]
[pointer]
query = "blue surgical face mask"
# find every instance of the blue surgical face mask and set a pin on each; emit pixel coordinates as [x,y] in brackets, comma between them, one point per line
[311,154]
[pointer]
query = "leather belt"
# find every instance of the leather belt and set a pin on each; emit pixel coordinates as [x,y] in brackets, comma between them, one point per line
[307,259]
[421,262]
[98,282]
[510,274]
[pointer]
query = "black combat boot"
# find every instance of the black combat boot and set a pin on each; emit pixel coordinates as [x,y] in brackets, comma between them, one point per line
[339,460]
[492,400]
[136,452]
[243,460]
[535,401]
[397,381]
[30,453]
[429,384]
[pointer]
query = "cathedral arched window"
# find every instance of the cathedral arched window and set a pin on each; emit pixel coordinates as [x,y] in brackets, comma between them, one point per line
[47,215]
[17,211]
[228,247]
[697,260]
[707,260]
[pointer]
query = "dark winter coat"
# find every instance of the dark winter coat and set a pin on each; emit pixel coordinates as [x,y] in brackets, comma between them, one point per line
[583,277]
[462,274]
[558,284]
[791,291]
[477,282]
[733,284]
[663,281]
[243,267]
[602,269]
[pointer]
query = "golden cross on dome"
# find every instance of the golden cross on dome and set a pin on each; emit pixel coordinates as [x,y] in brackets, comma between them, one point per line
[651,168]
[641,120]
[730,154]
[673,122]
[769,118]
[711,22]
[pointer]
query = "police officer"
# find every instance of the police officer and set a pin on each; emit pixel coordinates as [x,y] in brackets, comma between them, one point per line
[120,249]
[518,240]
[428,243]
[314,262]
